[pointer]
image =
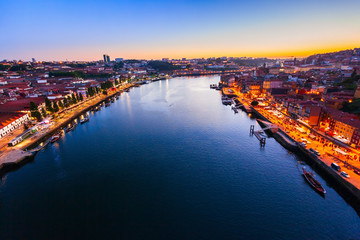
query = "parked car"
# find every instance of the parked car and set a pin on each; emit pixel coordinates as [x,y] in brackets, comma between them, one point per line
[316,152]
[357,171]
[344,174]
[335,167]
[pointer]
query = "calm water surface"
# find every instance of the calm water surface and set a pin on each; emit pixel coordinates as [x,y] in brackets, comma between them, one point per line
[168,161]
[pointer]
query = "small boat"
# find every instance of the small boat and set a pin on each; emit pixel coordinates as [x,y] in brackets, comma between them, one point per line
[107,104]
[225,100]
[117,97]
[313,182]
[213,86]
[112,100]
[70,128]
[234,109]
[84,120]
[54,138]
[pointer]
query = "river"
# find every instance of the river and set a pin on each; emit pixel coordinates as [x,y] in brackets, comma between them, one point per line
[169,161]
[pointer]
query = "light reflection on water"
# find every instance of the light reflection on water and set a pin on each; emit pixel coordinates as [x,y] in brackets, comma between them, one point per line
[168,161]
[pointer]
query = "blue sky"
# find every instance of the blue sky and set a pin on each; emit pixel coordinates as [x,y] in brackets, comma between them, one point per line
[84,30]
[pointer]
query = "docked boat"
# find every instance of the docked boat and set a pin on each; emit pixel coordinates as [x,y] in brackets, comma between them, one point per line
[213,86]
[234,109]
[84,120]
[225,100]
[313,182]
[70,128]
[54,138]
[107,104]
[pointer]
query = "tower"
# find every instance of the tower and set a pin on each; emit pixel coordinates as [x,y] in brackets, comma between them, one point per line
[106,58]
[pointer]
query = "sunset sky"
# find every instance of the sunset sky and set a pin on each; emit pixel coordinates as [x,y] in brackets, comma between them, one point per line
[85,30]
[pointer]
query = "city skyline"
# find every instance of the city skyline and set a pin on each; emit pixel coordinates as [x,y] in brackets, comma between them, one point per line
[82,30]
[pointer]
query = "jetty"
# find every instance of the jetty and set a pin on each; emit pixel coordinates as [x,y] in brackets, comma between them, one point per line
[13,157]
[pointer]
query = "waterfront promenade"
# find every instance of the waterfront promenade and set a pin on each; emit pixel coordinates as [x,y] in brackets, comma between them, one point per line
[326,148]
[15,154]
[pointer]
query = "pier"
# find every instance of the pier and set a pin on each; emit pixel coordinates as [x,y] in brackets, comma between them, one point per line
[259,135]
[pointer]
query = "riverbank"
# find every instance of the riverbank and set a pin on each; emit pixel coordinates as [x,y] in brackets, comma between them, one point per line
[349,191]
[17,155]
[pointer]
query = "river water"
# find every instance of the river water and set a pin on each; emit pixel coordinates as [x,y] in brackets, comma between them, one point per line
[168,161]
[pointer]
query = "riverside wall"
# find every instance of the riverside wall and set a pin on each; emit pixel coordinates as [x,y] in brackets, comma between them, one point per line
[349,192]
[15,158]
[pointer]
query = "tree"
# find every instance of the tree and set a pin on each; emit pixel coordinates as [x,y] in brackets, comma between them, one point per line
[48,105]
[105,92]
[43,112]
[69,100]
[55,107]
[61,105]
[34,111]
[254,103]
[81,98]
[37,115]
[33,106]
[73,98]
[65,102]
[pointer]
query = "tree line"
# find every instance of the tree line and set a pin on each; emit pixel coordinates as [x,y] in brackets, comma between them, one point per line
[52,107]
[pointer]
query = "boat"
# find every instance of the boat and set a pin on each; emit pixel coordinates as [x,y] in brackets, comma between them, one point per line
[84,120]
[213,86]
[107,104]
[225,100]
[313,182]
[70,128]
[54,138]
[234,109]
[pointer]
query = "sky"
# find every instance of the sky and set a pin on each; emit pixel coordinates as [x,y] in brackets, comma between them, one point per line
[138,29]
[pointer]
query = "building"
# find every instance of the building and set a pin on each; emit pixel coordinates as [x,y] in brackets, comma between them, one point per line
[308,111]
[270,84]
[11,121]
[118,59]
[106,58]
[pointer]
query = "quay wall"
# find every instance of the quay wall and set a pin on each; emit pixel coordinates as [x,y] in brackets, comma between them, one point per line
[65,123]
[15,161]
[350,193]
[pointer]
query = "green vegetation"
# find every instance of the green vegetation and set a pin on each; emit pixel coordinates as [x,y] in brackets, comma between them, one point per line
[91,91]
[34,111]
[118,66]
[253,62]
[20,67]
[106,85]
[162,66]
[4,67]
[43,112]
[353,107]
[349,83]
[73,98]
[254,103]
[48,105]
[79,74]
[55,107]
